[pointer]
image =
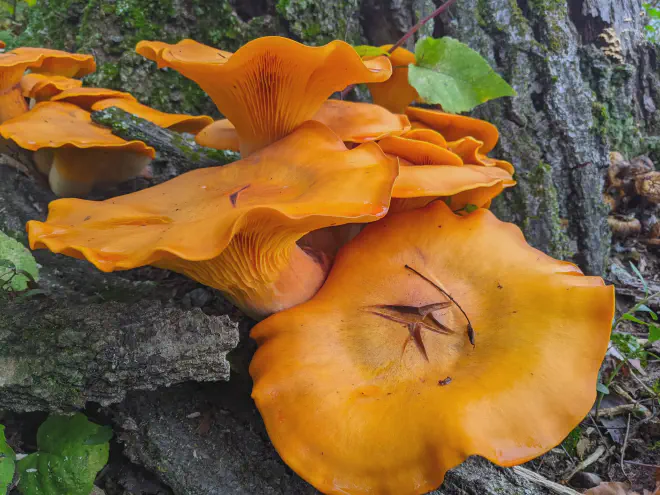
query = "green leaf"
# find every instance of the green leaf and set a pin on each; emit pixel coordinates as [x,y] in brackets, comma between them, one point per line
[628,345]
[602,388]
[7,463]
[370,51]
[451,74]
[629,317]
[641,277]
[71,452]
[15,256]
[469,208]
[644,308]
[654,333]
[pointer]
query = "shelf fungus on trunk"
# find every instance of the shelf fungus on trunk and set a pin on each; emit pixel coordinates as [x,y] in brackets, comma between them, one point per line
[271,85]
[352,122]
[435,337]
[178,122]
[396,93]
[234,227]
[42,87]
[74,152]
[86,97]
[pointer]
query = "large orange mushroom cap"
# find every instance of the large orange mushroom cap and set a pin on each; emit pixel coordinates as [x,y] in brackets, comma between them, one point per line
[58,62]
[86,97]
[44,86]
[396,93]
[191,124]
[271,85]
[73,151]
[234,227]
[373,386]
[454,127]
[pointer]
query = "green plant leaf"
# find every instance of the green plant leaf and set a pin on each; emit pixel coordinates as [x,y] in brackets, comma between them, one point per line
[469,208]
[452,74]
[644,308]
[629,317]
[654,333]
[14,256]
[7,462]
[640,277]
[71,452]
[602,388]
[370,51]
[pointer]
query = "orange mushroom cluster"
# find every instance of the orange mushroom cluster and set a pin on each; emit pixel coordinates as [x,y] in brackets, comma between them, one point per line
[416,341]
[47,111]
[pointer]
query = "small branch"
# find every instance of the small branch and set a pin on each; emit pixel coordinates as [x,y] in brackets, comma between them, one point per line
[610,412]
[420,24]
[624,447]
[598,453]
[544,482]
[182,151]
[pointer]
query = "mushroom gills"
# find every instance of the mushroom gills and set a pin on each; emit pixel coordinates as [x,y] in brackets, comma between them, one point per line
[74,171]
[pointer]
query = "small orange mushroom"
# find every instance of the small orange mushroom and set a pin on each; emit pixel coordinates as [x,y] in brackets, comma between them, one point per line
[360,122]
[435,337]
[86,97]
[177,122]
[58,62]
[396,93]
[40,87]
[234,227]
[454,127]
[271,85]
[75,153]
[469,149]
[353,123]
[12,68]
[419,152]
[220,135]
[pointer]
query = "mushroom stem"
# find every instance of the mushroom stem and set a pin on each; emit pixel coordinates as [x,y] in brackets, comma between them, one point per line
[74,172]
[277,277]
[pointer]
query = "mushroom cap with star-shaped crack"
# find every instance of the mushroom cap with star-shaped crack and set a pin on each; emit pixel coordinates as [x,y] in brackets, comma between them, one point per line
[374,386]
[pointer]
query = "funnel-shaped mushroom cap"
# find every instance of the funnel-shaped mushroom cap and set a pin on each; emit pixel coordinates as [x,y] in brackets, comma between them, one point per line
[234,227]
[44,86]
[454,127]
[373,385]
[75,152]
[191,124]
[86,97]
[220,135]
[419,152]
[360,122]
[270,85]
[12,68]
[58,62]
[396,93]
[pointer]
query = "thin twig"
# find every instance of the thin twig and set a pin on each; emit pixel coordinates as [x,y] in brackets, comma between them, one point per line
[623,449]
[598,453]
[420,24]
[643,464]
[610,412]
[544,482]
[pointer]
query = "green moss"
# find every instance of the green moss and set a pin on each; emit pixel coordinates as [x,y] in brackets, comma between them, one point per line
[318,22]
[542,186]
